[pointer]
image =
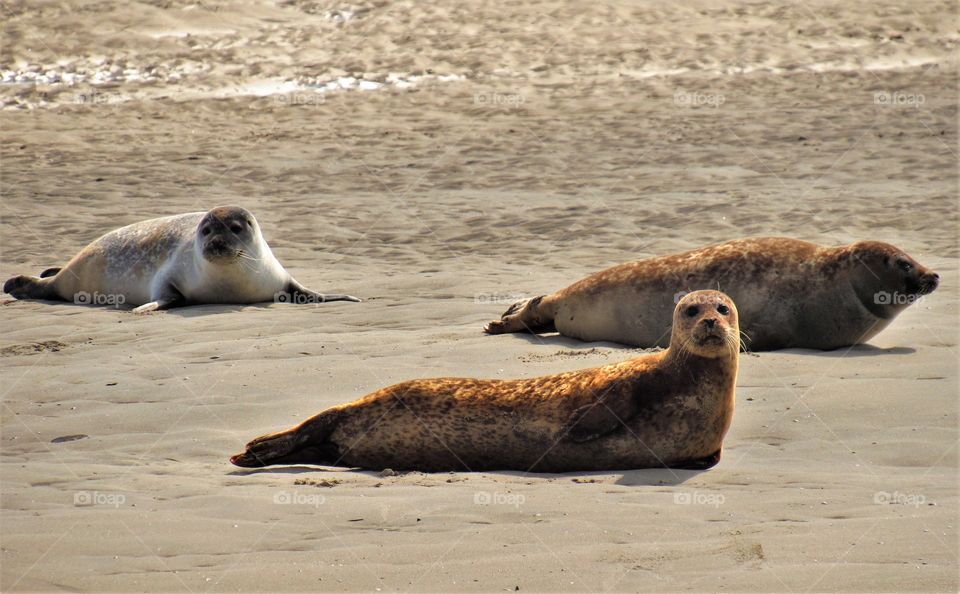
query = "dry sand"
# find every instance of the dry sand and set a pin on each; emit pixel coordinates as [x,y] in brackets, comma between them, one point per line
[542,141]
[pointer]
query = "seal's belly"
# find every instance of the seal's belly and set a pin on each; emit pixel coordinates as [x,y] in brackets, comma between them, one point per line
[232,289]
[111,279]
[622,314]
[122,264]
[438,438]
[641,313]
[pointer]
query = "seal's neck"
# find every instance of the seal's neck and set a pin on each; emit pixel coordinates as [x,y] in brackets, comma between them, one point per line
[864,282]
[715,378]
[683,361]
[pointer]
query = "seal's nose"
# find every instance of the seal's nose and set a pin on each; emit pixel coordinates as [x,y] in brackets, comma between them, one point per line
[709,322]
[929,282]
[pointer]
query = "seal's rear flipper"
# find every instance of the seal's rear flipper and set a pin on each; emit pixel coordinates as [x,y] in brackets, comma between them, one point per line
[304,444]
[529,315]
[50,272]
[266,450]
[29,287]
[266,457]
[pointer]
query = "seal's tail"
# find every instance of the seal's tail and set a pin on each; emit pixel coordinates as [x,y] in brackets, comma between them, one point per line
[531,315]
[304,444]
[31,287]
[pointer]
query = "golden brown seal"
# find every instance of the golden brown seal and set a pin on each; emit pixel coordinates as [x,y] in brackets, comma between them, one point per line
[219,256]
[666,409]
[790,293]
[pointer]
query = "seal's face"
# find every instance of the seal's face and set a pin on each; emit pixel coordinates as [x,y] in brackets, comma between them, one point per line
[890,279]
[706,324]
[227,233]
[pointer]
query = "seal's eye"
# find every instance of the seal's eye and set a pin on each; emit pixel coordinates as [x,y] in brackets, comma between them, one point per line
[205,231]
[723,309]
[692,311]
[236,228]
[904,265]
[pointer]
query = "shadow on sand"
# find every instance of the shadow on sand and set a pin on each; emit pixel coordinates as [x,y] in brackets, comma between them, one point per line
[630,478]
[860,350]
[559,340]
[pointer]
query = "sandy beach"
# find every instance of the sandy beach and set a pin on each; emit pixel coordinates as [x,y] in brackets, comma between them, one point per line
[441,161]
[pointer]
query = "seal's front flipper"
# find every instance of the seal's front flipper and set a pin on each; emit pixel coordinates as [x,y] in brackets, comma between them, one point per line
[50,272]
[300,294]
[168,298]
[339,297]
[600,418]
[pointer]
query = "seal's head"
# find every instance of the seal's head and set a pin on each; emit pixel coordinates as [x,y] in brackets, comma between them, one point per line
[227,233]
[887,280]
[706,324]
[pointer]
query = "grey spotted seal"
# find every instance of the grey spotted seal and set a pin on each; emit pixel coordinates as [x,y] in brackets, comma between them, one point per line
[666,409]
[218,256]
[791,294]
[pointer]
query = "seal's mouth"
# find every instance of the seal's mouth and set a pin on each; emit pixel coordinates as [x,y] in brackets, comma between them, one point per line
[928,284]
[713,335]
[711,343]
[711,340]
[220,250]
[213,255]
[924,285]
[710,337]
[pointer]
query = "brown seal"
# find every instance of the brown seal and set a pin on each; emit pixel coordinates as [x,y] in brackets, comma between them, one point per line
[790,293]
[665,409]
[219,256]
